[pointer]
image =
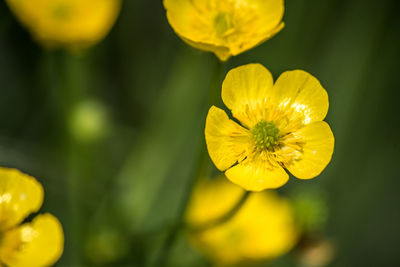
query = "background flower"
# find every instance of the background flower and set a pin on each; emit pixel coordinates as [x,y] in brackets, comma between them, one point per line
[68,23]
[262,229]
[225,27]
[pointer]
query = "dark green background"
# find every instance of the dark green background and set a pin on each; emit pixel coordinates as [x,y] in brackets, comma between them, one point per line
[154,87]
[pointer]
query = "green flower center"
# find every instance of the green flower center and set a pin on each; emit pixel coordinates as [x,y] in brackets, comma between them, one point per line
[61,12]
[265,135]
[223,22]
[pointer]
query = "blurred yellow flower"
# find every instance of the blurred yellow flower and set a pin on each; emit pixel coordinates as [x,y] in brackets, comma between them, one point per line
[282,127]
[67,23]
[35,244]
[262,229]
[225,27]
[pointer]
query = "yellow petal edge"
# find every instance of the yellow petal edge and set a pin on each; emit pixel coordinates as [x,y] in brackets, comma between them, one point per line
[317,150]
[226,140]
[41,243]
[20,195]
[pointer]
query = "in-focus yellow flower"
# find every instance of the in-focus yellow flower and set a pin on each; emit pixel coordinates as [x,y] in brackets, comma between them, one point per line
[68,23]
[281,127]
[225,27]
[262,229]
[39,243]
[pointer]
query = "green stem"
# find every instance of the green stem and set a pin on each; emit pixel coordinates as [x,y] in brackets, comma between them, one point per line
[71,79]
[74,175]
[224,218]
[56,77]
[200,169]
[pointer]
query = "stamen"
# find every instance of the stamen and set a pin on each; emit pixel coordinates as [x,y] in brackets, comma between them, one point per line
[265,135]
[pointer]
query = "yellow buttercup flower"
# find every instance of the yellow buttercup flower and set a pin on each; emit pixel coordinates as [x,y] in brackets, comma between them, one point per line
[225,27]
[264,227]
[68,23]
[281,127]
[36,244]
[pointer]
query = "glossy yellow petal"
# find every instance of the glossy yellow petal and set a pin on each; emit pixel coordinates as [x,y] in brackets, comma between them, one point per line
[269,12]
[301,93]
[317,150]
[257,175]
[36,244]
[258,25]
[194,26]
[191,19]
[71,23]
[20,195]
[226,140]
[224,25]
[244,90]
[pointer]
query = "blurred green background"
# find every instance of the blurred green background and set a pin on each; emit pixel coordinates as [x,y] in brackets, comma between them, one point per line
[112,133]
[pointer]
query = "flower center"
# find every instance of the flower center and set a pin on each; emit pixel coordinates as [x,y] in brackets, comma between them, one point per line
[265,135]
[61,12]
[223,23]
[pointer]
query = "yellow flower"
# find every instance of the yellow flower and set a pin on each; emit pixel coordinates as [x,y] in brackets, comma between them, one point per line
[281,127]
[68,23]
[262,229]
[35,244]
[225,27]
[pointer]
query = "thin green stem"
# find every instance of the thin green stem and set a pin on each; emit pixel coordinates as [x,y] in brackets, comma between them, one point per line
[74,177]
[200,169]
[56,76]
[68,86]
